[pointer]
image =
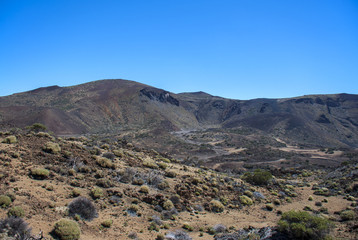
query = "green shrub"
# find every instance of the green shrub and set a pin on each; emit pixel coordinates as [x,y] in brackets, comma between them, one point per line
[249,193]
[39,173]
[269,206]
[5,201]
[67,230]
[347,215]
[186,226]
[10,140]
[96,193]
[167,205]
[216,206]
[104,162]
[170,174]
[51,147]
[75,192]
[245,200]
[144,189]
[107,223]
[258,177]
[162,165]
[16,212]
[302,225]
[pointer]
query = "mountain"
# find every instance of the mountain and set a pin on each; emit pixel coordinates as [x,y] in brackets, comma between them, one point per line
[115,106]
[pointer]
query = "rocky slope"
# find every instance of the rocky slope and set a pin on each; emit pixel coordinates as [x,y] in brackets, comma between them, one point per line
[113,106]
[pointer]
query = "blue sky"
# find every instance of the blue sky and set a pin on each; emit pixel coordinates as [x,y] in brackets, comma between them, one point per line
[239,49]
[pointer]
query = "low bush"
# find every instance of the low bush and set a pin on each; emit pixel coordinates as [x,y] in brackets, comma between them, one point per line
[302,225]
[5,201]
[167,205]
[104,162]
[347,215]
[109,155]
[39,173]
[51,147]
[258,177]
[178,235]
[245,200]
[107,223]
[82,207]
[67,230]
[16,212]
[10,140]
[15,227]
[216,206]
[96,193]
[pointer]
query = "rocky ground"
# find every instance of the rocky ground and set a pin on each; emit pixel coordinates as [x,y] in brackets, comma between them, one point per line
[148,195]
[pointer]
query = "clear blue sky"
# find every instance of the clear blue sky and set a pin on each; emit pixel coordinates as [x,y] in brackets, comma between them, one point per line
[238,49]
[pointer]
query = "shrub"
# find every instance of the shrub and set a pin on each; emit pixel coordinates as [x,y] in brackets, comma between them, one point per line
[249,193]
[269,206]
[15,227]
[107,223]
[39,173]
[178,235]
[258,177]
[37,127]
[104,162]
[109,155]
[5,201]
[219,228]
[167,205]
[170,174]
[67,230]
[51,147]
[16,212]
[10,140]
[245,200]
[83,207]
[75,192]
[216,206]
[187,226]
[170,214]
[96,193]
[347,215]
[144,189]
[302,225]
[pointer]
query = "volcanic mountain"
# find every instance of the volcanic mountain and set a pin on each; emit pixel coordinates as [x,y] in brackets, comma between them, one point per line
[114,106]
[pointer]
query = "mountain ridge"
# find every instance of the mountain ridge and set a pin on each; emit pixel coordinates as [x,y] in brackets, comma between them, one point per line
[116,105]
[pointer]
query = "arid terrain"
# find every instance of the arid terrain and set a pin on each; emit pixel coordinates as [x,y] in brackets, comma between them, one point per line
[118,159]
[148,195]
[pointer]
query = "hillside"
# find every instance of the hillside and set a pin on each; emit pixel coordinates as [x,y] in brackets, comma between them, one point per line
[117,106]
[142,194]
